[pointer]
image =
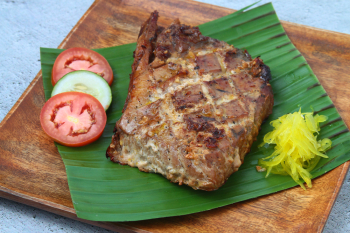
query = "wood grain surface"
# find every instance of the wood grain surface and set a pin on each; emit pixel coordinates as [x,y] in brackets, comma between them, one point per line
[32,171]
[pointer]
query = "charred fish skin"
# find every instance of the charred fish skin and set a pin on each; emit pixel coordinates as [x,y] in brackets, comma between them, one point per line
[195,105]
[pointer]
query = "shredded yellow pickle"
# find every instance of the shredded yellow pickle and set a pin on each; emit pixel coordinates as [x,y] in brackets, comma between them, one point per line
[297,150]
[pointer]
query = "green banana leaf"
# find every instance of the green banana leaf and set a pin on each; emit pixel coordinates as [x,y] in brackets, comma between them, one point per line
[104,191]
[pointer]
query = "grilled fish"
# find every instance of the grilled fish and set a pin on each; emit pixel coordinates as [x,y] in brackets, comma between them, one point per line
[194,107]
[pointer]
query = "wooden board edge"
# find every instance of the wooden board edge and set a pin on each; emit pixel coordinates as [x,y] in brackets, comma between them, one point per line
[325,31]
[213,6]
[124,227]
[19,101]
[70,213]
[38,76]
[340,182]
[283,22]
[81,20]
[63,211]
[35,202]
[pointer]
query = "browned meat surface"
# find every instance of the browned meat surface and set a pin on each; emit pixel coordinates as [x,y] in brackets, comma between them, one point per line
[194,108]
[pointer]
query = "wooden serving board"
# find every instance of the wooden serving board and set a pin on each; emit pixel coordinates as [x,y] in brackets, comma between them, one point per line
[32,171]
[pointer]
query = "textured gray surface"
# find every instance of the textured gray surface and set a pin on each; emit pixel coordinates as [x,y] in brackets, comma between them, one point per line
[26,26]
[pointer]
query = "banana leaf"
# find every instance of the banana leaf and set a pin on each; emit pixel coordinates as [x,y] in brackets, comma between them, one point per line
[104,191]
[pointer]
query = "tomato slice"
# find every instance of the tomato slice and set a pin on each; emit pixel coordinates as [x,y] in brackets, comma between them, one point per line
[73,118]
[81,59]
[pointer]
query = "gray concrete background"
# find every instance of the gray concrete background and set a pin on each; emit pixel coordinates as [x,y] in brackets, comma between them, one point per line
[25,26]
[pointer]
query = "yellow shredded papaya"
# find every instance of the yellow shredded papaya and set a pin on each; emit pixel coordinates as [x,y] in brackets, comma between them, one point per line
[297,149]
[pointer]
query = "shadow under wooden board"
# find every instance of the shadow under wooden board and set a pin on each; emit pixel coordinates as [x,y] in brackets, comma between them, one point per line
[32,171]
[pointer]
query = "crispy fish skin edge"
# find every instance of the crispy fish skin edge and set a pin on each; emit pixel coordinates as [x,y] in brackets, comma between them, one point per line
[142,55]
[143,50]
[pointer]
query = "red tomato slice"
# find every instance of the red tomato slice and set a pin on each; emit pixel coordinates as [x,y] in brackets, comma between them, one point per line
[81,59]
[73,118]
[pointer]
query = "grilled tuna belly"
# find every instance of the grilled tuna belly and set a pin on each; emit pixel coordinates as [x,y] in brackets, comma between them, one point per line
[194,107]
